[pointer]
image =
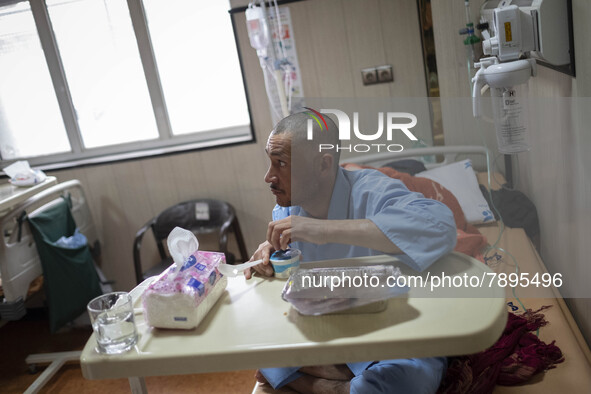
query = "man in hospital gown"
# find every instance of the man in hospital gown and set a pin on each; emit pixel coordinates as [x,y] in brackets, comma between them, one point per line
[331,213]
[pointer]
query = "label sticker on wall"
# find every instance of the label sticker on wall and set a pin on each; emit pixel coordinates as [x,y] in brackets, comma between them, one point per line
[201,211]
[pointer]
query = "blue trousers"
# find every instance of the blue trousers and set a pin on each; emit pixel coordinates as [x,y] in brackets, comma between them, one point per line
[414,375]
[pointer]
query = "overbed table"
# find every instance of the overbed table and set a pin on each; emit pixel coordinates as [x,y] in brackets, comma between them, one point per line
[252,327]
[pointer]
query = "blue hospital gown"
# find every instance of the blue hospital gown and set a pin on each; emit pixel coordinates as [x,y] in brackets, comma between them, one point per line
[423,229]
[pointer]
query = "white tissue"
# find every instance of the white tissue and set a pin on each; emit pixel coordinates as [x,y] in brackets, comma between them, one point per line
[21,174]
[181,244]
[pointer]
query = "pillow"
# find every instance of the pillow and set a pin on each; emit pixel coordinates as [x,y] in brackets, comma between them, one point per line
[460,179]
[408,166]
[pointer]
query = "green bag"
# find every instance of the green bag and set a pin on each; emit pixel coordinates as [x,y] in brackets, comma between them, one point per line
[70,278]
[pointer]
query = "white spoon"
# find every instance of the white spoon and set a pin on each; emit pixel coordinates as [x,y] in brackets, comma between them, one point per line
[234,270]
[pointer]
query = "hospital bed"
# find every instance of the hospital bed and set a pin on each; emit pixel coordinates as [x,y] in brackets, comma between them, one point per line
[572,375]
[19,261]
[20,264]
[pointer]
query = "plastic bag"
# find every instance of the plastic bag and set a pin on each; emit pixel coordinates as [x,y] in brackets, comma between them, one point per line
[320,291]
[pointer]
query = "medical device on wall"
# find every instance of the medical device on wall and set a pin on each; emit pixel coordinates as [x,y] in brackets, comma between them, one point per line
[278,71]
[472,43]
[514,34]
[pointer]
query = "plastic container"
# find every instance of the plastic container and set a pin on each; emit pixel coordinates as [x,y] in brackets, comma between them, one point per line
[285,262]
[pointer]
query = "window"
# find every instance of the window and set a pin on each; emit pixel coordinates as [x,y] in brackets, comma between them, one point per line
[189,108]
[103,71]
[96,80]
[25,89]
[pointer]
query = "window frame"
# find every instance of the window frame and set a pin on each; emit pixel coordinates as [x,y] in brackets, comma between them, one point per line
[166,143]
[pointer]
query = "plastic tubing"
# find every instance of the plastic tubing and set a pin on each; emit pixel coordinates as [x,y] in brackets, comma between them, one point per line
[278,21]
[495,245]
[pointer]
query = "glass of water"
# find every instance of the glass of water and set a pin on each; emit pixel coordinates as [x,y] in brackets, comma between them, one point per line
[112,320]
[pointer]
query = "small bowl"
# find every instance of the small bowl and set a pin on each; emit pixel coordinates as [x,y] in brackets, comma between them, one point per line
[285,262]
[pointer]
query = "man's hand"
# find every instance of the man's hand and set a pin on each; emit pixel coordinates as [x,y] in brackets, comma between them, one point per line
[282,232]
[263,252]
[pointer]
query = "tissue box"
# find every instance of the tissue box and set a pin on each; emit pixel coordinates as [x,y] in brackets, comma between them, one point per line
[184,301]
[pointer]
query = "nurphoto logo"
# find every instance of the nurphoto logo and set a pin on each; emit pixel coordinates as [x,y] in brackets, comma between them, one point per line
[393,124]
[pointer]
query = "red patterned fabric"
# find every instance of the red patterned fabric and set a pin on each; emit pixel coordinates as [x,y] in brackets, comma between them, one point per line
[513,359]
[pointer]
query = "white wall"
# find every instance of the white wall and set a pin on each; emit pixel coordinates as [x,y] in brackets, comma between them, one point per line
[554,174]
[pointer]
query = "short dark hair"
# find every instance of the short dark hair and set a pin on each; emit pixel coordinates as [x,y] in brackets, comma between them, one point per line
[297,125]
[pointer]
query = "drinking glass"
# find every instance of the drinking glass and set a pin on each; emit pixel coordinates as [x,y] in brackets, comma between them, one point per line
[112,320]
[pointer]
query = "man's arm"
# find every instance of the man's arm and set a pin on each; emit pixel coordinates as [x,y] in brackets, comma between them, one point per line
[361,232]
[358,232]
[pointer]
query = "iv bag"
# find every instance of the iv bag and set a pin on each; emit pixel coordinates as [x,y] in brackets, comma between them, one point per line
[510,120]
[258,30]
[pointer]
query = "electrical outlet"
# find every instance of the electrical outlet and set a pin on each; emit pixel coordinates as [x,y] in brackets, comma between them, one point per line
[385,73]
[369,76]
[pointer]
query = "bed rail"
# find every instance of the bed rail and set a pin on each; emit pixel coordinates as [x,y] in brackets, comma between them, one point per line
[450,155]
[19,261]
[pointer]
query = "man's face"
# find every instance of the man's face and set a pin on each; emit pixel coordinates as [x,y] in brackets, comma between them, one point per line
[279,174]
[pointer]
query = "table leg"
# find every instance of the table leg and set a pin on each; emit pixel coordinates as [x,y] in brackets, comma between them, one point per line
[138,385]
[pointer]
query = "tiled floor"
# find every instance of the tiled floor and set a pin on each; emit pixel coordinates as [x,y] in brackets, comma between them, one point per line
[31,335]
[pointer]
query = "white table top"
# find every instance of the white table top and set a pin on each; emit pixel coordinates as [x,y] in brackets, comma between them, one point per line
[11,195]
[252,327]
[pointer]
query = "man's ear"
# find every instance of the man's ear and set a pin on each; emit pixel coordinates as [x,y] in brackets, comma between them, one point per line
[326,163]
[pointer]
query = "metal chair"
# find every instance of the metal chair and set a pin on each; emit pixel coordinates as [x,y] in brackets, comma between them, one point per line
[199,216]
